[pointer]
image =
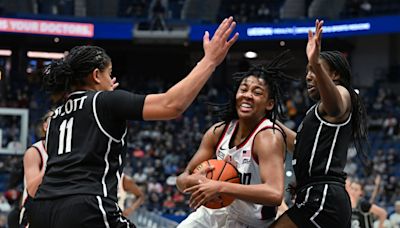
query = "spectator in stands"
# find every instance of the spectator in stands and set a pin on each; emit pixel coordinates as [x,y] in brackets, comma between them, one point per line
[140,177]
[132,8]
[4,205]
[391,189]
[390,125]
[365,8]
[159,13]
[264,13]
[395,217]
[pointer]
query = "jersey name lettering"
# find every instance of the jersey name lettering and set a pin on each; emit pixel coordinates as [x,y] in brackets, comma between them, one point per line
[70,106]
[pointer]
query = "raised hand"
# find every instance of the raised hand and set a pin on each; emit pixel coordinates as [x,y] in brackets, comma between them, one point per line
[216,49]
[115,83]
[314,43]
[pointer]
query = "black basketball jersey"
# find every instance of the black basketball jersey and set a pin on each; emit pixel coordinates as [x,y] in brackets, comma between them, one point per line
[360,216]
[321,148]
[85,143]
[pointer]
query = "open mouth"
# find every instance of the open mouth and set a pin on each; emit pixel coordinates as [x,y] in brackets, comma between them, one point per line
[310,88]
[245,107]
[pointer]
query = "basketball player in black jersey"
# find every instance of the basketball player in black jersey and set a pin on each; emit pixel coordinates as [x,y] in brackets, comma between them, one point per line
[86,136]
[362,210]
[322,139]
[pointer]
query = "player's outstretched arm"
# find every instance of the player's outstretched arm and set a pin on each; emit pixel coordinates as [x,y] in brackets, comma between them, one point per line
[335,100]
[176,100]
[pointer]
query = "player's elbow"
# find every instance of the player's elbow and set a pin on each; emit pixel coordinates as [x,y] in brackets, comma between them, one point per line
[173,110]
[174,107]
[177,111]
[383,215]
[274,198]
[277,198]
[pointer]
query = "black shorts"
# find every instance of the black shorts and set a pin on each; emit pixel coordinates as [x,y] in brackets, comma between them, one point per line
[321,205]
[77,211]
[12,217]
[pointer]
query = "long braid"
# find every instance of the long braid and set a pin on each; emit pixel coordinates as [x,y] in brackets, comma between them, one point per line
[337,62]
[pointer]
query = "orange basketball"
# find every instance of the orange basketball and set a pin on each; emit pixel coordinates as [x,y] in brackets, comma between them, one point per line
[223,171]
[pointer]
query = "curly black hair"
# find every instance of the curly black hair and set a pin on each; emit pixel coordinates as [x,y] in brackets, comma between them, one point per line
[61,74]
[272,74]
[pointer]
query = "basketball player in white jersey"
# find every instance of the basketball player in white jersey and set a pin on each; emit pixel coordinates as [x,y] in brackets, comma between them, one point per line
[35,159]
[128,186]
[248,139]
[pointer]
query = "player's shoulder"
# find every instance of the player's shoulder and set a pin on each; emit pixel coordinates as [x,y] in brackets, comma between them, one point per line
[31,153]
[218,128]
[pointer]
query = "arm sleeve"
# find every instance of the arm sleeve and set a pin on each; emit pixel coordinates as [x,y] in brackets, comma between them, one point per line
[365,206]
[121,104]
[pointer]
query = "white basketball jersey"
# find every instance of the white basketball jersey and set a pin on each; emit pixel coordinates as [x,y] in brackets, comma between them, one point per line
[40,148]
[241,156]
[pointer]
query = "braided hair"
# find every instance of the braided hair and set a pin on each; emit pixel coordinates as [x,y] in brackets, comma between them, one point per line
[272,74]
[338,63]
[62,74]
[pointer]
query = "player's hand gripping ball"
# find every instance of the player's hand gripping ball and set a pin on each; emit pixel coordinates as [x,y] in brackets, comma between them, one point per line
[223,171]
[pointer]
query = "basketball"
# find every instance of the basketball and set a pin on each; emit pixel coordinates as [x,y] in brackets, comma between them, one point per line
[223,171]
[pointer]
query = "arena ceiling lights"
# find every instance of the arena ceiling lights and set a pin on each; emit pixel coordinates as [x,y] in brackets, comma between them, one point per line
[250,55]
[45,55]
[5,52]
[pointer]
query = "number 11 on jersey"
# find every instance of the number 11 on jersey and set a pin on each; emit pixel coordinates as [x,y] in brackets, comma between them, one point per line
[66,126]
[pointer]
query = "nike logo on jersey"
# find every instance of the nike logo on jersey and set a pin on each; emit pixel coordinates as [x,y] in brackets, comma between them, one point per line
[223,147]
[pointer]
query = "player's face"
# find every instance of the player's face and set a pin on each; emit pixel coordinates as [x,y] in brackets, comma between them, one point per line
[397,208]
[252,98]
[105,79]
[311,81]
[356,189]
